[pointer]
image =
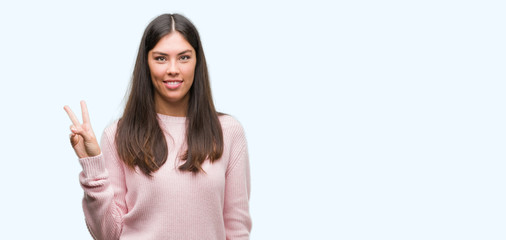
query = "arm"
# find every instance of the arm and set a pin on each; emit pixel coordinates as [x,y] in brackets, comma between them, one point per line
[103,182]
[104,191]
[237,193]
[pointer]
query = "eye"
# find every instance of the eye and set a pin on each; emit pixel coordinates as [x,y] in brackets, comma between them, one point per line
[160,59]
[184,58]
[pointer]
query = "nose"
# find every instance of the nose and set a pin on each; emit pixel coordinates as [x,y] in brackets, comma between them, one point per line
[172,68]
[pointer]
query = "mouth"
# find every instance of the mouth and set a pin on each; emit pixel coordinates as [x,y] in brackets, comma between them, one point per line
[172,84]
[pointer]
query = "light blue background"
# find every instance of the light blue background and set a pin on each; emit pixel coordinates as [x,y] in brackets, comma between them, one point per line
[365,119]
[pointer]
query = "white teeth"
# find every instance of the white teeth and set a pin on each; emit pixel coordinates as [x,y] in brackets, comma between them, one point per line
[172,83]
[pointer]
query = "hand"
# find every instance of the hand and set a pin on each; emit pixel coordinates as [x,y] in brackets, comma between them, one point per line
[82,138]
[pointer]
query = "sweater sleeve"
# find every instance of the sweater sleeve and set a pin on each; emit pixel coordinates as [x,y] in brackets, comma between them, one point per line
[103,182]
[237,193]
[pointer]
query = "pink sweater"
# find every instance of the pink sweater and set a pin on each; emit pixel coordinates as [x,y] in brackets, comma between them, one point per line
[120,203]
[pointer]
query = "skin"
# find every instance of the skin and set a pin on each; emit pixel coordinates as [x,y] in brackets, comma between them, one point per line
[172,58]
[82,138]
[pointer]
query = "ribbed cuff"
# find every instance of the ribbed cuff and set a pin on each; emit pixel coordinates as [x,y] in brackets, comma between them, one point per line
[93,166]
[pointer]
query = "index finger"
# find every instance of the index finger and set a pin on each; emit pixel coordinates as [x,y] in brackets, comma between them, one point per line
[72,116]
[84,112]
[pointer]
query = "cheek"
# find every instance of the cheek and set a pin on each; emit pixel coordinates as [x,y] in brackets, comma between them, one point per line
[189,71]
[156,71]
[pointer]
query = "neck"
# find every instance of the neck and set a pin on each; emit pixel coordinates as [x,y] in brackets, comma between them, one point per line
[175,109]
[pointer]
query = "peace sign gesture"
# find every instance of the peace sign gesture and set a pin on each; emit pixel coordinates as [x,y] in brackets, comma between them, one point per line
[82,138]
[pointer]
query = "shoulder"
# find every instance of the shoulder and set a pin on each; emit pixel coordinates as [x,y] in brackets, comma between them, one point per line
[228,121]
[230,125]
[233,131]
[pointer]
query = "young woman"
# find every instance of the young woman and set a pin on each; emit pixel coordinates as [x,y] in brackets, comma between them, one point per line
[171,167]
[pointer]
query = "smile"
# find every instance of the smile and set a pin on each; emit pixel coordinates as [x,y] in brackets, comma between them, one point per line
[172,84]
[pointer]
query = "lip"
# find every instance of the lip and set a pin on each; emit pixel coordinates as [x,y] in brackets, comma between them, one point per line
[172,85]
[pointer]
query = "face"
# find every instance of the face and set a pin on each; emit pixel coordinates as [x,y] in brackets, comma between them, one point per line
[172,64]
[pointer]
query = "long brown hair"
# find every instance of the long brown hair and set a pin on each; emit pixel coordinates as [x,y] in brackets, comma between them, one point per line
[139,138]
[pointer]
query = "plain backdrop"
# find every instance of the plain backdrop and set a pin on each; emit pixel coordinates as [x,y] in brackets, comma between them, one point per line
[365,119]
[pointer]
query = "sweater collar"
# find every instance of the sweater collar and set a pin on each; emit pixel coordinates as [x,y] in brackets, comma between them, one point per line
[171,119]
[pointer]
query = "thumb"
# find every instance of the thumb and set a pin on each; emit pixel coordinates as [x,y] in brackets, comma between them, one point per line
[78,130]
[74,139]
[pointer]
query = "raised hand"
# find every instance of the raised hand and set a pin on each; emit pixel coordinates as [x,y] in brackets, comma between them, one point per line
[82,138]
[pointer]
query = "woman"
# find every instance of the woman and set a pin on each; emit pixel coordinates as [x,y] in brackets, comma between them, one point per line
[171,167]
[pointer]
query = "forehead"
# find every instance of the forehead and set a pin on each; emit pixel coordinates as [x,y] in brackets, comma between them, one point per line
[173,42]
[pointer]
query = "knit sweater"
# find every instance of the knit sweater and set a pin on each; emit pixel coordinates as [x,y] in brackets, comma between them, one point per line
[120,203]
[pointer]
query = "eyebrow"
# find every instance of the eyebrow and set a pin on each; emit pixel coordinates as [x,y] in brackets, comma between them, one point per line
[165,54]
